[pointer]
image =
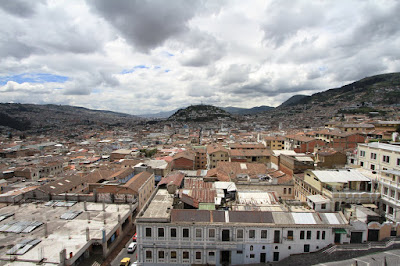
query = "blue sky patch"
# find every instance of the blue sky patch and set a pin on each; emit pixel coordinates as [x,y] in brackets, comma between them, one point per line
[33,78]
[167,70]
[127,71]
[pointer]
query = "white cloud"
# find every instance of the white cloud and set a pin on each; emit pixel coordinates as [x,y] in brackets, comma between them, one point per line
[227,53]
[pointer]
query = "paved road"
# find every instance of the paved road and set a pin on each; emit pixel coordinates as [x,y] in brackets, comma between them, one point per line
[391,257]
[123,254]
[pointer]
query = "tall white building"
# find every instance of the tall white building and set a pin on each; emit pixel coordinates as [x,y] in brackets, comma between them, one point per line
[221,237]
[384,159]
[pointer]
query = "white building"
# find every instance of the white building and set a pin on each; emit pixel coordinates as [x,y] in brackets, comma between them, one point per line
[384,159]
[377,156]
[189,236]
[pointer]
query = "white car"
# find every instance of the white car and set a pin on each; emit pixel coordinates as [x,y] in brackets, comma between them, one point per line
[132,247]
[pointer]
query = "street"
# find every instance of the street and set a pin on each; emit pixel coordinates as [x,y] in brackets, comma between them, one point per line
[124,254]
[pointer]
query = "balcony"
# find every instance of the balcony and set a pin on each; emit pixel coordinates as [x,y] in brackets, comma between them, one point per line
[355,194]
[390,183]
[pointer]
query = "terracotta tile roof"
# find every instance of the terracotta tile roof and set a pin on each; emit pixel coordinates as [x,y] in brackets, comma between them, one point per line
[249,153]
[190,155]
[137,181]
[214,148]
[299,138]
[176,178]
[224,170]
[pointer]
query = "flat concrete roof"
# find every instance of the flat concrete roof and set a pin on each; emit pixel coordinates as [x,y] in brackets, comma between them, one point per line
[159,207]
[68,234]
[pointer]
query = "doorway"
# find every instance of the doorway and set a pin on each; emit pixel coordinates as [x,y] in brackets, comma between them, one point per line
[225,257]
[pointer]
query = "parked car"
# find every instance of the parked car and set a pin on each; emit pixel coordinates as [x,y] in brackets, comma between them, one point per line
[125,262]
[132,247]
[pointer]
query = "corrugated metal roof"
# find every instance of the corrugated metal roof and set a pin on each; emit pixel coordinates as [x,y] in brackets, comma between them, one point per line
[331,218]
[339,176]
[303,218]
[70,215]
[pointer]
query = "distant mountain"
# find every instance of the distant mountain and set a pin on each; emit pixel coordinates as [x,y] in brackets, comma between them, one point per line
[295,99]
[165,114]
[41,118]
[247,111]
[199,113]
[371,94]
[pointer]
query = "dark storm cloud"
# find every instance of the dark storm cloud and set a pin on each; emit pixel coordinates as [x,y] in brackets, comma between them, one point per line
[147,24]
[19,8]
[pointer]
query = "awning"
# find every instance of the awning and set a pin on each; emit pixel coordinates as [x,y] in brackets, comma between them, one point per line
[370,205]
[340,231]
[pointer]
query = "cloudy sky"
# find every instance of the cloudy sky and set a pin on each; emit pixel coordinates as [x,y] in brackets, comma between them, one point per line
[147,56]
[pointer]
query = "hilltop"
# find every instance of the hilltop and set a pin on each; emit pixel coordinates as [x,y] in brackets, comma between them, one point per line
[41,118]
[199,113]
[378,94]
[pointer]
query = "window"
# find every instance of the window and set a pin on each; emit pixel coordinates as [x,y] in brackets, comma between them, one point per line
[392,193]
[306,248]
[251,256]
[198,233]
[290,190]
[185,255]
[148,232]
[398,161]
[239,234]
[318,234]
[372,167]
[252,233]
[251,248]
[361,164]
[160,254]
[323,234]
[160,232]
[290,235]
[185,232]
[323,206]
[386,159]
[198,255]
[373,156]
[211,232]
[173,232]
[239,252]
[263,233]
[173,254]
[308,234]
[284,191]
[390,210]
[385,190]
[362,153]
[211,254]
[301,234]
[149,254]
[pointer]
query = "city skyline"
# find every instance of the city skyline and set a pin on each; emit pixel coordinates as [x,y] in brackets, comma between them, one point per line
[151,56]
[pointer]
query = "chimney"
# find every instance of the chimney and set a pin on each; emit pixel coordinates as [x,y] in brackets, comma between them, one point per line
[85,205]
[104,206]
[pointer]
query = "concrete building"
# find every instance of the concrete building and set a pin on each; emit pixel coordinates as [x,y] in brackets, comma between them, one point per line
[143,186]
[341,187]
[389,183]
[61,232]
[182,236]
[377,156]
[274,143]
[215,154]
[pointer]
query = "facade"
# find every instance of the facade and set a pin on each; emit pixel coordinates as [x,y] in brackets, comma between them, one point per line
[302,144]
[389,183]
[377,156]
[274,143]
[250,156]
[215,154]
[201,158]
[330,159]
[295,164]
[183,236]
[143,185]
